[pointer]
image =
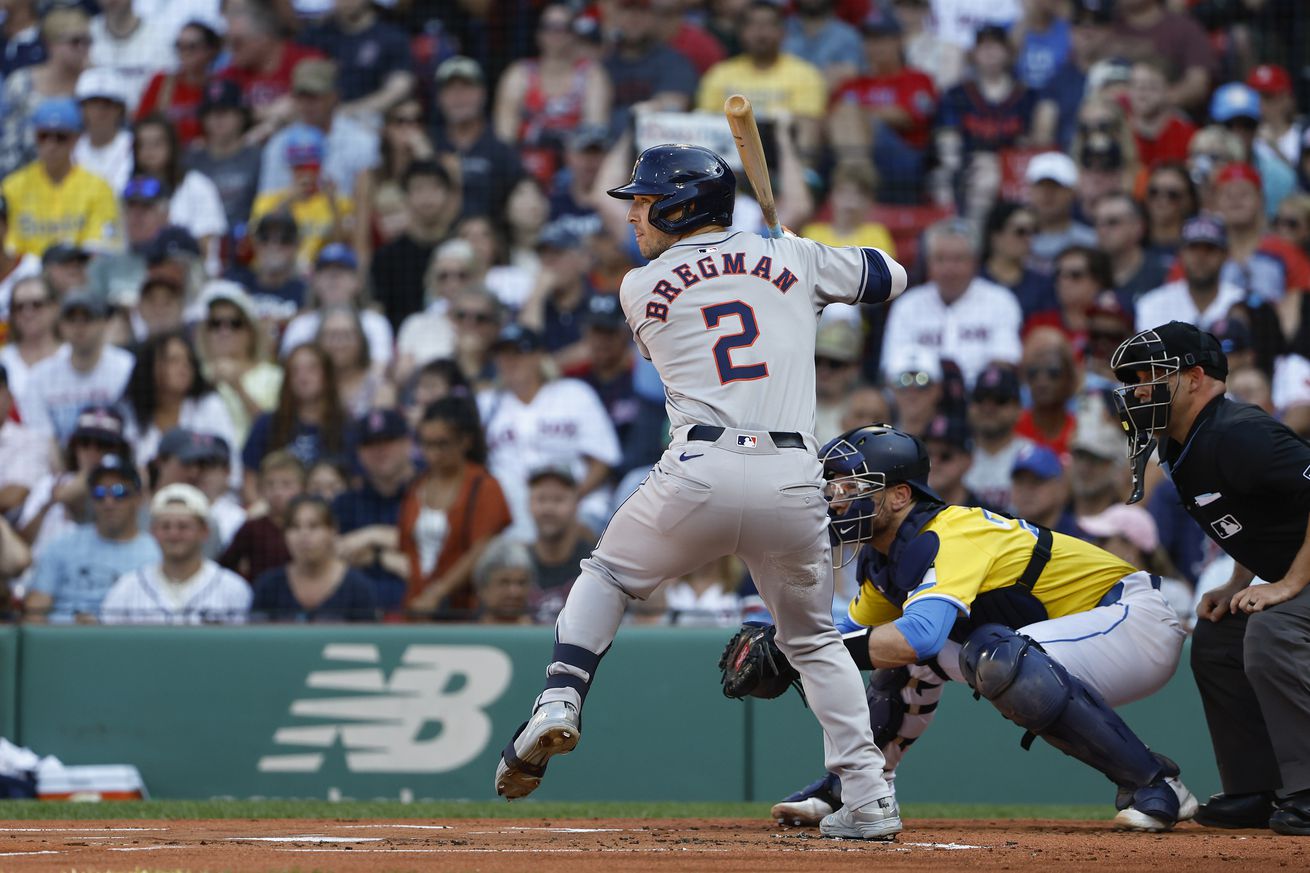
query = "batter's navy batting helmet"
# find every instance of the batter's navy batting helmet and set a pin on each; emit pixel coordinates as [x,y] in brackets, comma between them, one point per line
[860,463]
[696,187]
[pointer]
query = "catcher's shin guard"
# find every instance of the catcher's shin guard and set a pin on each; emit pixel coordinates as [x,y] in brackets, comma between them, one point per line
[1036,692]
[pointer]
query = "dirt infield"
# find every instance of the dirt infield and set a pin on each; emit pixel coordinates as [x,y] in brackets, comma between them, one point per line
[580,846]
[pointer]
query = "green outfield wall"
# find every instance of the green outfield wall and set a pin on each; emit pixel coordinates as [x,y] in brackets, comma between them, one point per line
[423,712]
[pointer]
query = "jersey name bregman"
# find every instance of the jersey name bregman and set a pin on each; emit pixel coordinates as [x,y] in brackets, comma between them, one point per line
[729,264]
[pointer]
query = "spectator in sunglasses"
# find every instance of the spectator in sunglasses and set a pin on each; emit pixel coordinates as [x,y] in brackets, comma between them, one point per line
[1049,372]
[66,34]
[1008,231]
[54,200]
[32,316]
[465,331]
[276,287]
[1292,222]
[73,574]
[950,448]
[1081,273]
[181,92]
[233,348]
[1171,199]
[1237,107]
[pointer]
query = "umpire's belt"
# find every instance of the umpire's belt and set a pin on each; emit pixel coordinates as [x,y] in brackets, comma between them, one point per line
[783,439]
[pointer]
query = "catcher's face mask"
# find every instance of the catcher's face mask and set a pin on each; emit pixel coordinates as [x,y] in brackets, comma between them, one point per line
[1150,377]
[851,488]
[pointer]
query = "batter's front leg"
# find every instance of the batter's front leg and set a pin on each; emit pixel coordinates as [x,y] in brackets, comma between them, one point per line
[657,534]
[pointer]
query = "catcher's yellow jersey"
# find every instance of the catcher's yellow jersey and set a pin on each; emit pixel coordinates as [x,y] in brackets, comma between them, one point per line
[980,551]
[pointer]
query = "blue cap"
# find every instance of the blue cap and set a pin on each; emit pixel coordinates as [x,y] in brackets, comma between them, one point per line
[115,465]
[171,242]
[144,188]
[304,145]
[58,113]
[1235,100]
[336,255]
[516,337]
[1038,460]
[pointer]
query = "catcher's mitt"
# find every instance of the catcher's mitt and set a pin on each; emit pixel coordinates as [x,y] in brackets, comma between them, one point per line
[754,666]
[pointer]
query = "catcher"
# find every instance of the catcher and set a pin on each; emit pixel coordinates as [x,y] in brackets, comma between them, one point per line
[1052,630]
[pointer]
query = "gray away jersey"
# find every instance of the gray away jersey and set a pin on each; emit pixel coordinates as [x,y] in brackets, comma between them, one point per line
[729,320]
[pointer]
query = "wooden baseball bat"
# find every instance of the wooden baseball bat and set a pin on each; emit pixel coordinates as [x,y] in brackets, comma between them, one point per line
[746,134]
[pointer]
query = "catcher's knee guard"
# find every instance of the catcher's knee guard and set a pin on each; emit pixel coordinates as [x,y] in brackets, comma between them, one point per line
[1036,692]
[886,708]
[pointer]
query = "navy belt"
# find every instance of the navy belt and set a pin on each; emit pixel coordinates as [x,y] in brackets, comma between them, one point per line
[706,433]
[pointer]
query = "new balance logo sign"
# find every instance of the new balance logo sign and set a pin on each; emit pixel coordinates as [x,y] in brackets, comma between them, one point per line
[429,716]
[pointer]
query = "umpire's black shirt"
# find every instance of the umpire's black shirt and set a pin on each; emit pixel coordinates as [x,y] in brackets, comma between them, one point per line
[1245,478]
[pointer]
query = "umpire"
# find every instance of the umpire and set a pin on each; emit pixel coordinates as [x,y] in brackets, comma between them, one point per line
[1245,479]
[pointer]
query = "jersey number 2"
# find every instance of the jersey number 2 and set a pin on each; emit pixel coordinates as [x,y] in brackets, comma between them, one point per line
[750,332]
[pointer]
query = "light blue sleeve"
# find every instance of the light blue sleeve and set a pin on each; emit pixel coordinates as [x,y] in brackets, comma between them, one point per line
[846,624]
[926,624]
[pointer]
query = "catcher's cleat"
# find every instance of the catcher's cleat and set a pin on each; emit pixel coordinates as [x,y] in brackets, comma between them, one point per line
[553,730]
[807,807]
[879,820]
[1158,807]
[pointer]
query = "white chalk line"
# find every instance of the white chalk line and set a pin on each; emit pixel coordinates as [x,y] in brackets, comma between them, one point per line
[19,854]
[397,826]
[305,838]
[9,830]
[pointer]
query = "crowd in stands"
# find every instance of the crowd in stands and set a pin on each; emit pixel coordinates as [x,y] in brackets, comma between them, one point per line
[308,308]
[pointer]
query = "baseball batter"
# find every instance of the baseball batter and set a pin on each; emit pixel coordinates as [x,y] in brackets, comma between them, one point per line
[729,320]
[1050,629]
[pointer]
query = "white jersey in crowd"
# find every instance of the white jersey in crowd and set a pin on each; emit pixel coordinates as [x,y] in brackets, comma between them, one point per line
[729,319]
[1173,302]
[980,327]
[989,476]
[212,596]
[136,57]
[56,392]
[377,330]
[563,425]
[111,161]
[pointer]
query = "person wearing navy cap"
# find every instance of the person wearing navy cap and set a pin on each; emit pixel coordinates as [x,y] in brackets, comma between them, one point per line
[609,367]
[368,514]
[73,574]
[338,283]
[558,301]
[1201,297]
[950,449]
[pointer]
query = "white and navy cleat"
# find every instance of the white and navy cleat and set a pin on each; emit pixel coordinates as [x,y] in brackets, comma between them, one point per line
[807,807]
[1155,820]
[554,729]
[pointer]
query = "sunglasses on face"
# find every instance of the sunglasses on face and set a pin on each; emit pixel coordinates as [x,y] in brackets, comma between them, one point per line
[94,443]
[118,491]
[943,454]
[276,240]
[914,380]
[1174,194]
[58,136]
[998,399]
[1103,126]
[1288,221]
[78,316]
[225,324]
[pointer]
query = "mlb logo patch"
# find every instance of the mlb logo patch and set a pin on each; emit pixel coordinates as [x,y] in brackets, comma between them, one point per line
[746,441]
[1226,526]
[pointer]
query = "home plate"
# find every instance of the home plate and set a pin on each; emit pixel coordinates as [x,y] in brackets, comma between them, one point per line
[305,838]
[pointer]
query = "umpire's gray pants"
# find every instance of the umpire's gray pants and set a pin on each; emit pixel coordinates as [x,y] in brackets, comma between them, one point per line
[1277,660]
[765,505]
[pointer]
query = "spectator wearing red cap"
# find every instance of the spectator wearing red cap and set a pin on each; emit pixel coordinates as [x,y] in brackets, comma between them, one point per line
[1278,125]
[1259,261]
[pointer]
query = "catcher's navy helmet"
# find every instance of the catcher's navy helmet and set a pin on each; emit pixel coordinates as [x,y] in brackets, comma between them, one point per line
[860,463]
[696,187]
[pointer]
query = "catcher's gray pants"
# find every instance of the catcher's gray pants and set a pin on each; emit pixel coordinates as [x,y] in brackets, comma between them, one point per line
[737,496]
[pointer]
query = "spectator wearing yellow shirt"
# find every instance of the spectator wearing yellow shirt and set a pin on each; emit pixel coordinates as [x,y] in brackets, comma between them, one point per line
[853,187]
[322,214]
[776,83]
[52,200]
